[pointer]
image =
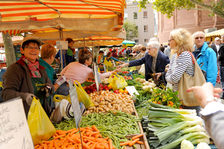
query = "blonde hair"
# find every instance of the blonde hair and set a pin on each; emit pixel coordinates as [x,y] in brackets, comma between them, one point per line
[183,39]
[47,50]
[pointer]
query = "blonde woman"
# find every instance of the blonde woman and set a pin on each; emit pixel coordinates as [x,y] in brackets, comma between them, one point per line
[181,42]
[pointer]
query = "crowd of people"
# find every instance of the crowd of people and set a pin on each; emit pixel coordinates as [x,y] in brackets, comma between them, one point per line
[32,76]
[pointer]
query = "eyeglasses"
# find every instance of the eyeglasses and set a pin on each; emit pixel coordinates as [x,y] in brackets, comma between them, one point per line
[199,37]
[30,47]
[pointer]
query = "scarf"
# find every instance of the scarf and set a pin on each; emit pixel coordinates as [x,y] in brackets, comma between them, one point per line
[33,67]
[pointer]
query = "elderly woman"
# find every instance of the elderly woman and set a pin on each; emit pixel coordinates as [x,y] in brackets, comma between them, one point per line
[27,78]
[182,43]
[155,61]
[79,71]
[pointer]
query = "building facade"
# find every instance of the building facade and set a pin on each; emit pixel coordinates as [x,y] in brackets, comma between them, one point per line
[144,20]
[192,20]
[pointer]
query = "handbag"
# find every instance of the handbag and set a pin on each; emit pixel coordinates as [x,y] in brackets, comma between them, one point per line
[187,81]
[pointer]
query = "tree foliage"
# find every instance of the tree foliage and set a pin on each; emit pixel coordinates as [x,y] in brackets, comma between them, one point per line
[168,6]
[131,30]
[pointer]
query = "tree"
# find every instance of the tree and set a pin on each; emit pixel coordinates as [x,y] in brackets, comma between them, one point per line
[168,6]
[131,30]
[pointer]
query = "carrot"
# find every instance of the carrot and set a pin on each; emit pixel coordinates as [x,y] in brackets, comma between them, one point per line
[125,143]
[94,128]
[137,136]
[139,142]
[110,144]
[133,142]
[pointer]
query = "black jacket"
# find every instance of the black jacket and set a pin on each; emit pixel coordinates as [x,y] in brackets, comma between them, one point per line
[161,62]
[221,55]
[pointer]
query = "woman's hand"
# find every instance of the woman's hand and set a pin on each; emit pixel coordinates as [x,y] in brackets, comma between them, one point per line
[205,92]
[123,65]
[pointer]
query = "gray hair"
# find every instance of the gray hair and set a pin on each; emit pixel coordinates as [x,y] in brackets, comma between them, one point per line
[198,32]
[154,44]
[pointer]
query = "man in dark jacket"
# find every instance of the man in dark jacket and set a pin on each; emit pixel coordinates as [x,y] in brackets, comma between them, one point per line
[221,60]
[155,62]
[27,78]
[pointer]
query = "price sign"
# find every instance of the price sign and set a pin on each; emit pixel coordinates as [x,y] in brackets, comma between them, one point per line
[14,132]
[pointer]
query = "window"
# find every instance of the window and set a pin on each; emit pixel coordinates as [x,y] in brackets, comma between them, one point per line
[125,15]
[145,28]
[145,14]
[135,15]
[146,40]
[136,40]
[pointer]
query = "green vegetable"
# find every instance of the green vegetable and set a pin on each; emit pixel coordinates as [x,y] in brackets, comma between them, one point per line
[166,127]
[115,126]
[185,144]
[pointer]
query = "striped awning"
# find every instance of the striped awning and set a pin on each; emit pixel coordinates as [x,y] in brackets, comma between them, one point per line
[53,34]
[86,15]
[97,41]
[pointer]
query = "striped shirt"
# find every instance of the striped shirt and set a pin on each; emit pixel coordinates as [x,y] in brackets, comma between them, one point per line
[178,66]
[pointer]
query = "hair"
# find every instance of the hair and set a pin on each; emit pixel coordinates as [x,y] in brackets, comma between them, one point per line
[47,51]
[108,54]
[198,32]
[143,48]
[154,44]
[101,52]
[69,40]
[84,54]
[183,39]
[25,43]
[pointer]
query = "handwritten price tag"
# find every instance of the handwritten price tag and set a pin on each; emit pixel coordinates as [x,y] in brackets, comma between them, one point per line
[13,125]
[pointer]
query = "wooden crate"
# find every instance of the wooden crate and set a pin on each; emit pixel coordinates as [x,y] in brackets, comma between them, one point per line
[139,146]
[143,138]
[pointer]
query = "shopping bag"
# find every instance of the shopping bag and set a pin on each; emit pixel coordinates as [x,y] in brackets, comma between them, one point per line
[40,126]
[108,63]
[187,82]
[117,82]
[83,96]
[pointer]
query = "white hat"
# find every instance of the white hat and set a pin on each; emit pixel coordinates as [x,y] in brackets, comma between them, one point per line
[217,38]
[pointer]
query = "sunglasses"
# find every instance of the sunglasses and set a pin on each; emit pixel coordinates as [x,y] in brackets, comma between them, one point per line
[199,37]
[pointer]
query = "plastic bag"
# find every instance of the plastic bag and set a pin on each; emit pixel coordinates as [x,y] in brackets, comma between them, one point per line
[82,95]
[142,70]
[117,82]
[40,125]
[108,63]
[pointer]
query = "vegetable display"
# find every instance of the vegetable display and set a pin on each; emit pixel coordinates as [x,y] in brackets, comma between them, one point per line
[106,101]
[116,126]
[91,138]
[167,127]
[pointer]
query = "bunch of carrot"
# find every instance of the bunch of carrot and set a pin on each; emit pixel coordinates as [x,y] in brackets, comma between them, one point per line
[133,141]
[91,139]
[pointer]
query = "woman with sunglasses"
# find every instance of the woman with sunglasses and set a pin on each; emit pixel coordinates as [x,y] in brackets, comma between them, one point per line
[182,43]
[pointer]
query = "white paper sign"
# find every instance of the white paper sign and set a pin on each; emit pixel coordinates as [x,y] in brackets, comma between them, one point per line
[63,45]
[131,90]
[14,130]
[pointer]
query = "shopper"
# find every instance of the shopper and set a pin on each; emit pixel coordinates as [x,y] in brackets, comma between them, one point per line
[155,62]
[48,53]
[216,45]
[212,113]
[206,57]
[221,60]
[27,78]
[181,41]
[79,71]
